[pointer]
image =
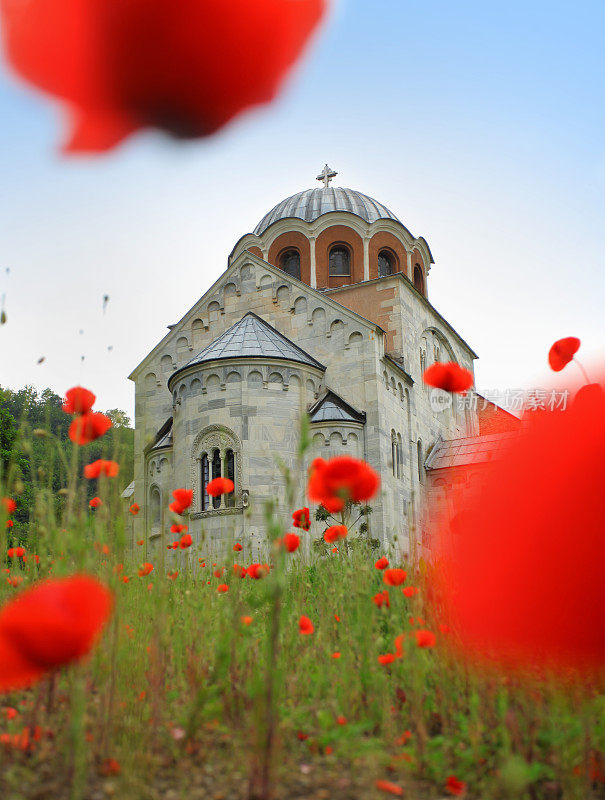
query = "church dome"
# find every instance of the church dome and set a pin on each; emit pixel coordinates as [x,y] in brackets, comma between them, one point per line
[313,203]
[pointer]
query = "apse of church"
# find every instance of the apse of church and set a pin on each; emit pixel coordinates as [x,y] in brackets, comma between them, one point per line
[322,309]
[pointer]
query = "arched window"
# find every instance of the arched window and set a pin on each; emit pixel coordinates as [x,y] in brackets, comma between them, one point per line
[230,473]
[420,462]
[399,456]
[340,260]
[394,453]
[205,480]
[154,509]
[386,264]
[418,278]
[216,473]
[216,452]
[290,263]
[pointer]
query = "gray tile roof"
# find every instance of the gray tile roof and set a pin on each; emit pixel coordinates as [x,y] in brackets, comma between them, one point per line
[313,203]
[468,450]
[332,408]
[163,437]
[251,337]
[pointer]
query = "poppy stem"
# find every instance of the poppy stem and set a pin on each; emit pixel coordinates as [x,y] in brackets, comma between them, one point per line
[584,373]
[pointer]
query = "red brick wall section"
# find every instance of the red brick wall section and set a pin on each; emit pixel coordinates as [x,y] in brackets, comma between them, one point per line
[256,251]
[297,240]
[387,241]
[338,234]
[493,419]
[371,300]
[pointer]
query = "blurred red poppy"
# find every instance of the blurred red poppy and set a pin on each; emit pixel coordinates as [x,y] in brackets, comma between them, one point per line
[78,401]
[178,528]
[145,569]
[301,519]
[88,427]
[425,638]
[387,658]
[454,786]
[450,377]
[382,598]
[335,532]
[220,486]
[15,552]
[388,786]
[182,500]
[409,591]
[562,352]
[291,542]
[382,563]
[257,571]
[542,504]
[334,482]
[186,541]
[95,502]
[305,626]
[101,467]
[173,575]
[237,547]
[222,588]
[9,523]
[394,577]
[246,620]
[186,68]
[134,509]
[9,504]
[49,625]
[335,655]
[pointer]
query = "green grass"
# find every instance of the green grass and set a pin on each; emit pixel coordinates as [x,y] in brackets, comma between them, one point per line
[190,701]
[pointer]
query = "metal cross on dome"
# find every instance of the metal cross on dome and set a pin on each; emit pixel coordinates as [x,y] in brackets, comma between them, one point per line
[326,175]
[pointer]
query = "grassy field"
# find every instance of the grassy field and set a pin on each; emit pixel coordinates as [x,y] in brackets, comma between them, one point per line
[193,692]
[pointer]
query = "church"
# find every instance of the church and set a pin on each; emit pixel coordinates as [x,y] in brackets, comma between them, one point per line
[324,308]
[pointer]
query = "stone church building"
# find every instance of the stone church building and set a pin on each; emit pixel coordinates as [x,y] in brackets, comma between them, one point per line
[323,308]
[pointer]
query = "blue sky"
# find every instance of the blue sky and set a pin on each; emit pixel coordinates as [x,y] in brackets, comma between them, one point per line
[479,124]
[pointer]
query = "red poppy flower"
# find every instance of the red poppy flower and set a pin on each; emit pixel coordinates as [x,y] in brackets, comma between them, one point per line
[381,599]
[145,569]
[49,625]
[101,467]
[124,578]
[78,401]
[398,645]
[301,519]
[388,786]
[239,571]
[302,736]
[246,620]
[95,502]
[305,626]
[15,580]
[258,571]
[425,638]
[9,523]
[502,591]
[335,532]
[9,504]
[218,573]
[341,720]
[134,509]
[336,617]
[334,482]
[450,377]
[335,549]
[173,575]
[186,541]
[173,545]
[291,542]
[88,427]
[454,786]
[182,500]
[110,767]
[562,352]
[222,588]
[237,547]
[185,68]
[220,486]
[15,552]
[178,528]
[335,655]
[387,658]
[394,577]
[409,591]
[382,563]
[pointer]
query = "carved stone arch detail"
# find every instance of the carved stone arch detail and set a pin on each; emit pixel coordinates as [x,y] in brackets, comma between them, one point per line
[214,437]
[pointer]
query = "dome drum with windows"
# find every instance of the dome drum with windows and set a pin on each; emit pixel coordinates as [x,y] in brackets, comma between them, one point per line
[331,237]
